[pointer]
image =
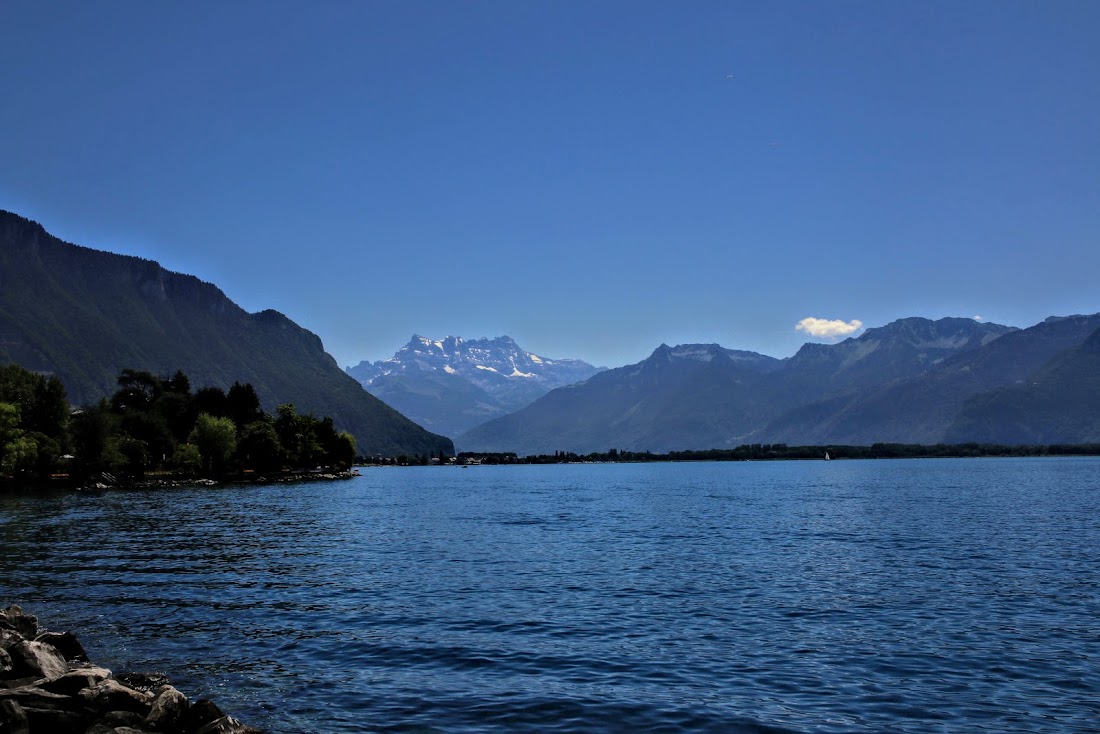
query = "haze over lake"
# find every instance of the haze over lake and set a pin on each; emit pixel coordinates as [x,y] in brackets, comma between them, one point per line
[909,595]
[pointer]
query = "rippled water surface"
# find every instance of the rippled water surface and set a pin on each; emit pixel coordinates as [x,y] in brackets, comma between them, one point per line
[848,596]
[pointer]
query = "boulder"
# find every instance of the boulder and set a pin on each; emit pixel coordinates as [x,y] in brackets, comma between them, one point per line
[227,725]
[9,637]
[58,721]
[170,709]
[6,665]
[123,718]
[201,713]
[144,682]
[110,695]
[14,618]
[38,659]
[66,644]
[13,719]
[75,681]
[33,697]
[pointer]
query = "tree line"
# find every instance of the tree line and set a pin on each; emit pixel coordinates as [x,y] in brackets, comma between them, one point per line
[154,424]
[780,451]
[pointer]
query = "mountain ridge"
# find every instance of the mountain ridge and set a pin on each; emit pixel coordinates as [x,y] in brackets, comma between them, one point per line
[453,384]
[904,382]
[86,314]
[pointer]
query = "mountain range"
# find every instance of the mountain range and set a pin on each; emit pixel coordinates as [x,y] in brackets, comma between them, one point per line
[451,385]
[85,315]
[912,381]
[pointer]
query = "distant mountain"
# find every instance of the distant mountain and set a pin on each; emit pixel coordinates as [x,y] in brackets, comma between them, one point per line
[923,408]
[84,315]
[704,396]
[452,385]
[1058,403]
[679,397]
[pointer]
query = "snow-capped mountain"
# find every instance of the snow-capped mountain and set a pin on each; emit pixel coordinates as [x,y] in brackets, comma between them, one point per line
[454,384]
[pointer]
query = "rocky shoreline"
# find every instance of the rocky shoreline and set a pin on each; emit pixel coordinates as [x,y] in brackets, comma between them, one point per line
[48,686]
[104,483]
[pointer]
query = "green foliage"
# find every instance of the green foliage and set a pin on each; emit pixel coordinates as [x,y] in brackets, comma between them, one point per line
[216,439]
[16,449]
[95,438]
[259,448]
[187,461]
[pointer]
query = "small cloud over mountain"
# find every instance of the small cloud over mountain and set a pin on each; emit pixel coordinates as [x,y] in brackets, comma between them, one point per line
[978,317]
[826,328]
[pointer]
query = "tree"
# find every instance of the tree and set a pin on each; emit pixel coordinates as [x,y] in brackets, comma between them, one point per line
[258,447]
[243,405]
[16,449]
[187,460]
[216,439]
[342,454]
[212,401]
[95,440]
[43,404]
[137,391]
[298,436]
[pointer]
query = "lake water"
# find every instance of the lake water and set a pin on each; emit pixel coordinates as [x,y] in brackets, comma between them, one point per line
[844,596]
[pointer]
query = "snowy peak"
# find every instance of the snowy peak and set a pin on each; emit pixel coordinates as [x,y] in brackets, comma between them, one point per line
[481,360]
[453,384]
[712,353]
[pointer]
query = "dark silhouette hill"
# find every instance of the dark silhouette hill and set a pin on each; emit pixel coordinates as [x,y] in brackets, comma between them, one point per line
[85,315]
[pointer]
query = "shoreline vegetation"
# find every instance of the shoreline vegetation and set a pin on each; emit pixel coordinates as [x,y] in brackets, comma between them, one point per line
[47,684]
[156,430]
[783,452]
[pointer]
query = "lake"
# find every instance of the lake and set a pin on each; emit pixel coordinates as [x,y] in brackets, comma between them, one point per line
[846,596]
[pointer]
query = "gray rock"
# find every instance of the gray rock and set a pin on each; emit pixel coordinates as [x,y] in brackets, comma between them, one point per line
[32,697]
[6,665]
[110,695]
[202,712]
[144,682]
[13,719]
[37,658]
[66,643]
[14,618]
[8,638]
[170,708]
[100,728]
[75,681]
[123,718]
[58,721]
[227,725]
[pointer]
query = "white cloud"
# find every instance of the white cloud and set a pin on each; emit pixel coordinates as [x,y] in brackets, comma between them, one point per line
[979,317]
[827,328]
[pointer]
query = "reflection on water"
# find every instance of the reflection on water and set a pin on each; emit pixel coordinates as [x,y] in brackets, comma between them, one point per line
[935,595]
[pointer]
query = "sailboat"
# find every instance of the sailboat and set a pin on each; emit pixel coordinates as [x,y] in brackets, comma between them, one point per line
[827,456]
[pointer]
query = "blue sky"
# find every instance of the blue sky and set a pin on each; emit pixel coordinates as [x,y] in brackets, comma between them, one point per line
[583,176]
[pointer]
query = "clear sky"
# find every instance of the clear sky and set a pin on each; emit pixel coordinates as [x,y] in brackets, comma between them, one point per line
[591,178]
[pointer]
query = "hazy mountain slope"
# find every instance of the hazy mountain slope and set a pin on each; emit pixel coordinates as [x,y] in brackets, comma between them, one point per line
[440,402]
[1060,403]
[899,350]
[657,405]
[84,315]
[728,398]
[454,384]
[922,408]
